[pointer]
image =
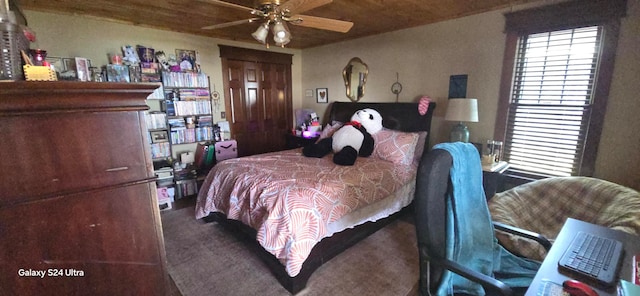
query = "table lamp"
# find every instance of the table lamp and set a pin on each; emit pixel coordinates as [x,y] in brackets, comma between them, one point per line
[461,110]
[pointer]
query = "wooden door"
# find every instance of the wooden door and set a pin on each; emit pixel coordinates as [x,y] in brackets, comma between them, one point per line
[277,120]
[258,100]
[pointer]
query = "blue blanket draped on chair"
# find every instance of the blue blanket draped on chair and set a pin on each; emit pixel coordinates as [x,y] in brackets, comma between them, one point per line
[470,235]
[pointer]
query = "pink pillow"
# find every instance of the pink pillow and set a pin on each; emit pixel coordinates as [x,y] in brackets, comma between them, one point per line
[422,137]
[395,146]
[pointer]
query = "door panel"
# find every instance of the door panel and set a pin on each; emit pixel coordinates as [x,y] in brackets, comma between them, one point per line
[259,104]
[234,93]
[275,88]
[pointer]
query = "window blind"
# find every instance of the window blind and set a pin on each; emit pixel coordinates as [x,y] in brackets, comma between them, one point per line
[551,102]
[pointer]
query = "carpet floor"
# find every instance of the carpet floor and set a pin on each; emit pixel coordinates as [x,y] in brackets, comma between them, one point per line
[205,259]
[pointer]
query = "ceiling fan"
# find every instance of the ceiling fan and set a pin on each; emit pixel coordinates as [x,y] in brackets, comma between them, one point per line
[277,14]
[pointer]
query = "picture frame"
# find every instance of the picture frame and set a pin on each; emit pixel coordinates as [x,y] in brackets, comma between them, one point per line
[187,59]
[56,62]
[458,86]
[322,95]
[135,74]
[82,69]
[68,69]
[117,73]
[159,136]
[68,64]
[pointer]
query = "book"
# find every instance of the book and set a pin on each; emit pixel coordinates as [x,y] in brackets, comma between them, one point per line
[202,151]
[210,156]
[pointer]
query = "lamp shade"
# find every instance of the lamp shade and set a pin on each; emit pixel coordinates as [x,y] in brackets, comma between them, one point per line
[462,110]
[281,34]
[261,33]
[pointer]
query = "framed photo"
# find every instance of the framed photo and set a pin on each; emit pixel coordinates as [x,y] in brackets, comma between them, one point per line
[159,136]
[117,73]
[68,69]
[458,86]
[56,62]
[69,64]
[82,69]
[322,95]
[135,75]
[187,60]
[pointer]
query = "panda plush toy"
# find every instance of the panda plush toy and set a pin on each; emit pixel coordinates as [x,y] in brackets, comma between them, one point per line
[351,140]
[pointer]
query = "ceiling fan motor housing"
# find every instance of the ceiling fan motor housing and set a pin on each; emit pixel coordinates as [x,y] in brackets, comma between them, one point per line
[269,2]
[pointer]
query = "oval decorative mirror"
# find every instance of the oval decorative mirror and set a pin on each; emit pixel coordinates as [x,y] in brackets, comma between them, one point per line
[355,77]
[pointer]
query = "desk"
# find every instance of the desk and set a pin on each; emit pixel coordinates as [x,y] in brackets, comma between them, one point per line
[549,268]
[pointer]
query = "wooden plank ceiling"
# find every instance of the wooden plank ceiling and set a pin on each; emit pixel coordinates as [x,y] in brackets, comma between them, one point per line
[370,17]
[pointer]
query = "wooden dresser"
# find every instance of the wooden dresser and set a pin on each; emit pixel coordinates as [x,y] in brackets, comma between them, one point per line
[78,205]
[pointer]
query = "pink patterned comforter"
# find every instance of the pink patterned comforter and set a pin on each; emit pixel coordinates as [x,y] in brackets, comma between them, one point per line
[290,199]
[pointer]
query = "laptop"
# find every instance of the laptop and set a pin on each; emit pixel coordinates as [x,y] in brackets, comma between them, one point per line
[593,258]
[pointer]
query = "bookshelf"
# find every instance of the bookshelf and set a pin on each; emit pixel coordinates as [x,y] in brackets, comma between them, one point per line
[179,117]
[188,107]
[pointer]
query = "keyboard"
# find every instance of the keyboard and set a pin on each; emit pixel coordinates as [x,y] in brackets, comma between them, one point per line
[593,257]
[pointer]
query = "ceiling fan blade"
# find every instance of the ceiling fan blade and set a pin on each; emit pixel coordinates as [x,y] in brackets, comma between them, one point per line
[300,6]
[227,4]
[322,23]
[229,24]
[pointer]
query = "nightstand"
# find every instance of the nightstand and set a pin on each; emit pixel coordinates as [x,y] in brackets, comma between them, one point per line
[293,141]
[492,178]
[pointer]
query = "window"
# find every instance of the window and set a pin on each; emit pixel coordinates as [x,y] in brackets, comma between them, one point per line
[555,83]
[551,100]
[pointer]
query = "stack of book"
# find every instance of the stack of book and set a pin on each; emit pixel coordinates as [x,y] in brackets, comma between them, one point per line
[182,133]
[155,120]
[183,108]
[160,150]
[150,72]
[194,94]
[181,79]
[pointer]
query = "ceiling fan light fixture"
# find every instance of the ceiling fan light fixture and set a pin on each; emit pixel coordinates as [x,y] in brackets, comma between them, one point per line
[280,29]
[261,33]
[281,42]
[281,34]
[279,14]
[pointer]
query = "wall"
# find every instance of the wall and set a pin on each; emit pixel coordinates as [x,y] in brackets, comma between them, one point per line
[619,150]
[72,36]
[426,56]
[78,36]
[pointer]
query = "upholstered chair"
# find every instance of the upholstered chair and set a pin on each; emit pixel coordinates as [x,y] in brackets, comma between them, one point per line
[544,205]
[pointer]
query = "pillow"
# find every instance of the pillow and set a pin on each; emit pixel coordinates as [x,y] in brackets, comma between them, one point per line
[329,129]
[395,146]
[422,137]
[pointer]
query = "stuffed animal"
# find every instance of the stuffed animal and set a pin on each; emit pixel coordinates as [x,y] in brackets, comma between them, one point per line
[351,140]
[130,55]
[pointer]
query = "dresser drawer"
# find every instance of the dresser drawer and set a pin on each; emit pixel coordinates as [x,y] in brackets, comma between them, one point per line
[104,242]
[52,153]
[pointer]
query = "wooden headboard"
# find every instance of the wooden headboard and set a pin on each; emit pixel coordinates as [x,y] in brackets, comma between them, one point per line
[398,116]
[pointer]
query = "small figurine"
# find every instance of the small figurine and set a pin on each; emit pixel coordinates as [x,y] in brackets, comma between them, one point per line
[130,55]
[162,59]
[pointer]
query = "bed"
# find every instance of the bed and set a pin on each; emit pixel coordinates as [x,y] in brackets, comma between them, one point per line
[297,212]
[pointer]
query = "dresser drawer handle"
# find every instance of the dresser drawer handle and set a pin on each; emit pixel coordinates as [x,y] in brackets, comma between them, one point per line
[117,169]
